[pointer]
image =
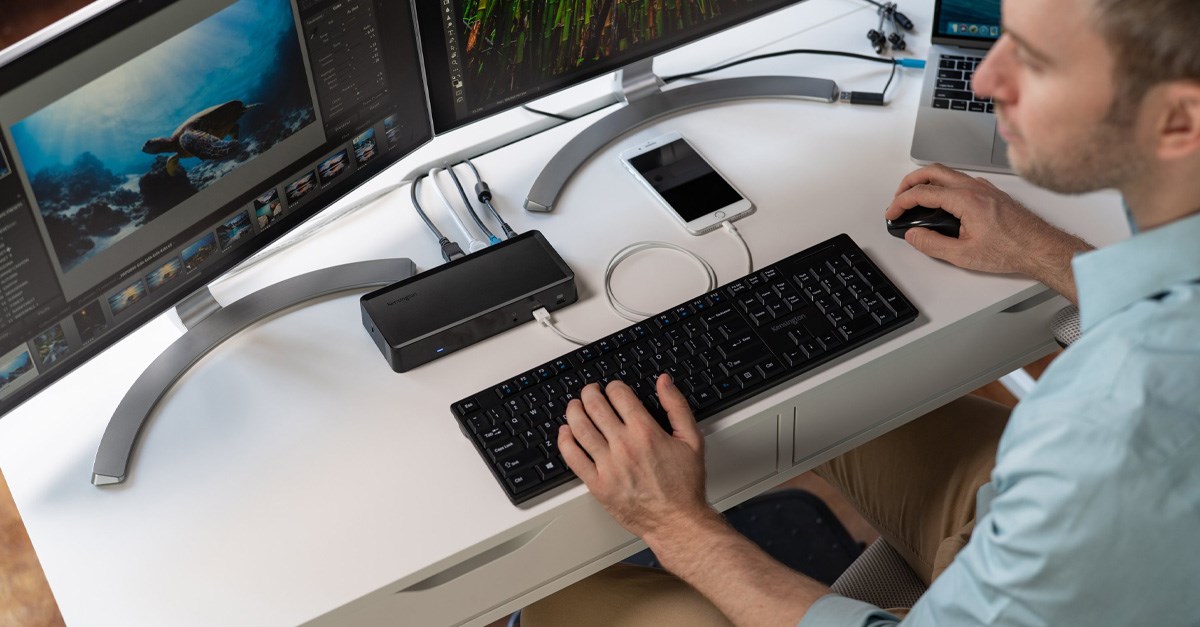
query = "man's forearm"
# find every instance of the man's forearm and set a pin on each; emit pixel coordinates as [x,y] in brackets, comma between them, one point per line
[745,583]
[1051,263]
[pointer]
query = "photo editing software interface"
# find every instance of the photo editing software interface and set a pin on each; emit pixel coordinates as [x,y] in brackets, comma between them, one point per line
[146,151]
[483,56]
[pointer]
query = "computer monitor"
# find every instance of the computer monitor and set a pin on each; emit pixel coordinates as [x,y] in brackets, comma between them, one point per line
[483,56]
[150,148]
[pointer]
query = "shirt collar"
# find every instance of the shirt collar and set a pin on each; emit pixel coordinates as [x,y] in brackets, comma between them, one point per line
[1115,277]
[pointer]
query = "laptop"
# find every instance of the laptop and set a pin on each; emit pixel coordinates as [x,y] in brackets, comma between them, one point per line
[953,126]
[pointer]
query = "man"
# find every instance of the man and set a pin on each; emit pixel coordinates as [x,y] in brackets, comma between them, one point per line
[1090,512]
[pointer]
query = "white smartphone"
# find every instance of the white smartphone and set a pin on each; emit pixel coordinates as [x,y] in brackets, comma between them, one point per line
[685,183]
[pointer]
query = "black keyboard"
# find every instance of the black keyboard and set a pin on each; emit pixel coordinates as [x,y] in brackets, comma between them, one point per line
[953,89]
[722,348]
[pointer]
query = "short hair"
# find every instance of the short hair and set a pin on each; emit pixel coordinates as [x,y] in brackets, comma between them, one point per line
[1153,42]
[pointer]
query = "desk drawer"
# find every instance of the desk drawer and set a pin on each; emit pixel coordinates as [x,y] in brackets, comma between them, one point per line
[920,377]
[581,539]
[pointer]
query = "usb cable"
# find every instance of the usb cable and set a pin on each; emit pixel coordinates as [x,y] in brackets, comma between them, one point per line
[450,249]
[473,243]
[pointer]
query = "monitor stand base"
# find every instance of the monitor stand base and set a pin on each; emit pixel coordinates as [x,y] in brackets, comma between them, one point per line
[208,324]
[648,103]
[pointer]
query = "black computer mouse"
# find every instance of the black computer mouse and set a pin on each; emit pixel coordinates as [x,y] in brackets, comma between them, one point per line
[938,220]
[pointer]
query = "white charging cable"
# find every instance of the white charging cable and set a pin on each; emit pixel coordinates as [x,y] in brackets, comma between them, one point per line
[542,315]
[473,242]
[732,230]
[634,315]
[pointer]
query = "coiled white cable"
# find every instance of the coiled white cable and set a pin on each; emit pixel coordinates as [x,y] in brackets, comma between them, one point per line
[635,315]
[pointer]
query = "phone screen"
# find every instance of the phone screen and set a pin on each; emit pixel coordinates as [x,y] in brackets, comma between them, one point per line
[685,180]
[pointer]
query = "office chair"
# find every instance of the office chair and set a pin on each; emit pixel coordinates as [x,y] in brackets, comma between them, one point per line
[880,576]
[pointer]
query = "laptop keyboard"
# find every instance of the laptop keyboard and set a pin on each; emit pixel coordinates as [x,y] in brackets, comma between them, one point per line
[722,349]
[953,89]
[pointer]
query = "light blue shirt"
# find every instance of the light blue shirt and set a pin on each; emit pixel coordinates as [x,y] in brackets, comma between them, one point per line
[1092,516]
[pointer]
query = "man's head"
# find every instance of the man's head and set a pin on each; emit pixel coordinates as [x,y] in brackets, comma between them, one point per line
[1091,93]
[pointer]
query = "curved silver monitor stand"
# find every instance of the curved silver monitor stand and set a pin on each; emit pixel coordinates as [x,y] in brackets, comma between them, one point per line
[208,324]
[646,101]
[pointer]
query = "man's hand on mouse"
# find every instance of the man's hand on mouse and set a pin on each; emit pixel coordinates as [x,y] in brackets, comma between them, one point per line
[997,234]
[646,478]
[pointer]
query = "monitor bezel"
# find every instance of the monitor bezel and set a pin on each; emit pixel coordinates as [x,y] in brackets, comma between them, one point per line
[435,58]
[73,35]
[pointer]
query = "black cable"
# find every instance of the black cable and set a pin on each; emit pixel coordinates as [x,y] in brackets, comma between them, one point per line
[889,80]
[829,53]
[485,196]
[450,250]
[548,114]
[899,17]
[421,212]
[492,239]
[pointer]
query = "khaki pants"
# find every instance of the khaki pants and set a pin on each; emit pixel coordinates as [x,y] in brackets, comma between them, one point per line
[916,485]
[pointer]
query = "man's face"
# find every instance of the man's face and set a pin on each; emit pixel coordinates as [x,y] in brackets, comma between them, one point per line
[1051,77]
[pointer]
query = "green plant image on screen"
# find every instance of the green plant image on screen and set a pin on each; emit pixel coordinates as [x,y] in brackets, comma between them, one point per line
[512,46]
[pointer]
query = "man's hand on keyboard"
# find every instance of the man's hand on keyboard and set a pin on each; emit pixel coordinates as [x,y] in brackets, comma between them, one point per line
[998,234]
[646,478]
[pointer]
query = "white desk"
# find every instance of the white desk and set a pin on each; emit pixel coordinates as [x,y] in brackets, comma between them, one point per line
[293,477]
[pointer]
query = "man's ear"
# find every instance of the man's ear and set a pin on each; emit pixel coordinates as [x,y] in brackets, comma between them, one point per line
[1177,133]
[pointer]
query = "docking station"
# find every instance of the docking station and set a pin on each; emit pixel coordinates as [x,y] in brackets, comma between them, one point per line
[454,305]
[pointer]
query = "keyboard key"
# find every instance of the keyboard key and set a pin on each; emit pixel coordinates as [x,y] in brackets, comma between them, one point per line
[492,436]
[727,387]
[941,103]
[953,94]
[955,74]
[770,367]
[717,317]
[978,107]
[504,449]
[523,482]
[958,105]
[479,422]
[505,390]
[812,349]
[951,84]
[466,407]
[851,329]
[869,275]
[550,468]
[703,398]
[748,377]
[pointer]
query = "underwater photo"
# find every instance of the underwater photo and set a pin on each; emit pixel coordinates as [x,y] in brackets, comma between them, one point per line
[126,148]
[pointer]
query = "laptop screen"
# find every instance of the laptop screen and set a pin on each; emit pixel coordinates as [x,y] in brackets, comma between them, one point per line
[971,20]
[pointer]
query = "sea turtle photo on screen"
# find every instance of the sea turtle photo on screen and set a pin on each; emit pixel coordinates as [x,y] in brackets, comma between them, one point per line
[202,135]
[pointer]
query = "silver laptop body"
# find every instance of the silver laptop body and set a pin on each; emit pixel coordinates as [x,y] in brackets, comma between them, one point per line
[953,126]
